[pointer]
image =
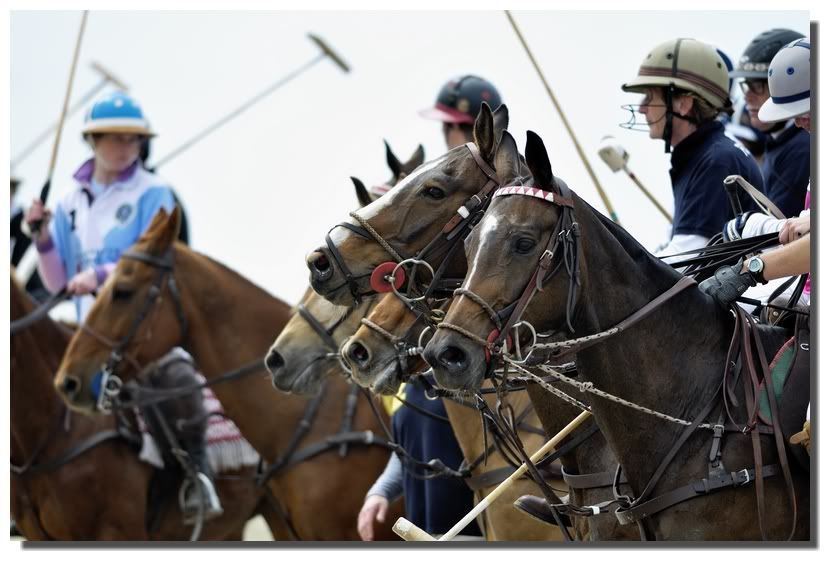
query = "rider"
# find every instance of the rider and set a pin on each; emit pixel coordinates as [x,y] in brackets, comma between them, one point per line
[786,159]
[789,85]
[686,87]
[432,504]
[113,203]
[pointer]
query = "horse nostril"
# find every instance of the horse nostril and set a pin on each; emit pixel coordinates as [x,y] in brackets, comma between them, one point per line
[358,353]
[453,358]
[274,361]
[322,264]
[70,386]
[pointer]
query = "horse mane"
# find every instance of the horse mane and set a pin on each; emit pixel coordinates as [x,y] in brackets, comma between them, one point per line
[643,258]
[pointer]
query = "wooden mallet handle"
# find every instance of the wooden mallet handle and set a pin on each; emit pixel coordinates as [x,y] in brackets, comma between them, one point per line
[410,532]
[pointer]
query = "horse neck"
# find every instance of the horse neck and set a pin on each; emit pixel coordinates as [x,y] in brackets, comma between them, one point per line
[35,405]
[232,322]
[670,361]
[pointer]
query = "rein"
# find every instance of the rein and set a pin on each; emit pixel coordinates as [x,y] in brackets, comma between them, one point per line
[40,312]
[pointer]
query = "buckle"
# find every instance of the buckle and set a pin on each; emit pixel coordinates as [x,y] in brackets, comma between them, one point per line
[547,254]
[745,473]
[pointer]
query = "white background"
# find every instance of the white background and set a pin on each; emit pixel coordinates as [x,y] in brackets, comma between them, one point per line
[262,191]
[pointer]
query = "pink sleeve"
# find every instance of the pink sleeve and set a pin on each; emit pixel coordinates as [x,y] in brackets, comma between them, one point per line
[50,266]
[102,272]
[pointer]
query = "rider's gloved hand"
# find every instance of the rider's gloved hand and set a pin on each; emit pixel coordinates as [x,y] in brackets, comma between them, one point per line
[727,284]
[734,229]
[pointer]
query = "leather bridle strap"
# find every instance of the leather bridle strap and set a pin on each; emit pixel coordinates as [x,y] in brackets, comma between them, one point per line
[325,334]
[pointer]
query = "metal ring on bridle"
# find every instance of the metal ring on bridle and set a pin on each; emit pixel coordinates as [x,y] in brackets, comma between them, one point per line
[421,336]
[344,365]
[516,343]
[415,262]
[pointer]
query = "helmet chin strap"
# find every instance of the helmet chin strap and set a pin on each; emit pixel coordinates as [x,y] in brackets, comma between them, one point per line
[667,129]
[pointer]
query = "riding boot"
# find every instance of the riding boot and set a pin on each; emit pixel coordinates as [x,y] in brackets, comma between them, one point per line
[187,417]
[537,508]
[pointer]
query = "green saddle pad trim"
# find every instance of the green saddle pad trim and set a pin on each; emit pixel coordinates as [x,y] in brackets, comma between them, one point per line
[779,375]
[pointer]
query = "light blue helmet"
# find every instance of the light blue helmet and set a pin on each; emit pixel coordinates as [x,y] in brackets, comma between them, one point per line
[789,83]
[117,112]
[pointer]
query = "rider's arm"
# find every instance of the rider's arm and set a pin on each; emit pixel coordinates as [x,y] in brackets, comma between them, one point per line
[789,260]
[390,482]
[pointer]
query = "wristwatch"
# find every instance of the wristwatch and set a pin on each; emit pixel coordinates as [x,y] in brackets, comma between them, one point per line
[756,270]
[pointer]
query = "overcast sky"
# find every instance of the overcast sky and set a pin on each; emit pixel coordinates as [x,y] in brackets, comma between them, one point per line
[262,191]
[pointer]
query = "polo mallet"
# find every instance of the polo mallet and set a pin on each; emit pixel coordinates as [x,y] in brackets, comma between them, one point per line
[605,200]
[326,52]
[107,77]
[412,533]
[613,154]
[44,192]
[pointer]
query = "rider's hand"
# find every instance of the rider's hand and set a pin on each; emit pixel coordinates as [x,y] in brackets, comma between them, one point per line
[39,212]
[374,509]
[83,283]
[794,228]
[727,284]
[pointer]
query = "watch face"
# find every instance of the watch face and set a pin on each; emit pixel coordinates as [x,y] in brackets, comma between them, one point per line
[755,265]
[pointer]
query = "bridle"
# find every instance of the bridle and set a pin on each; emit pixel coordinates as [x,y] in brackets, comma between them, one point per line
[106,385]
[564,240]
[391,275]
[326,335]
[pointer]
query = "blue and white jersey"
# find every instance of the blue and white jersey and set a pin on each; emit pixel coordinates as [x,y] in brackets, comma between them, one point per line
[92,229]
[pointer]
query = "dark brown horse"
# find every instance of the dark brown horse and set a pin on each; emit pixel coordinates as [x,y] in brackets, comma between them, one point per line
[671,361]
[102,493]
[341,270]
[229,323]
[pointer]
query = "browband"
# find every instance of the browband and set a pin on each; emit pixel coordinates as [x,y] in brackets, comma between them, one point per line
[536,192]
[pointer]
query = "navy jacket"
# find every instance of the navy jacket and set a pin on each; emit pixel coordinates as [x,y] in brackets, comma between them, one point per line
[786,169]
[700,162]
[435,504]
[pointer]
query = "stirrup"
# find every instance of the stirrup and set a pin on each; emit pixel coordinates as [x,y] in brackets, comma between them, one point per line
[190,499]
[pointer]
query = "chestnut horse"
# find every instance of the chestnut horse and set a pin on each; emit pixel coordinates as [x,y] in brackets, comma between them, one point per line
[672,360]
[227,322]
[101,494]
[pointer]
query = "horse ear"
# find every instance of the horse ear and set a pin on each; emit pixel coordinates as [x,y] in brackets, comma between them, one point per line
[392,161]
[416,159]
[537,160]
[362,193]
[500,120]
[163,230]
[507,162]
[484,134]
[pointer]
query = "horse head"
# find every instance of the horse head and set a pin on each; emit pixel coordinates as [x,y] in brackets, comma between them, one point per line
[383,351]
[307,350]
[516,236]
[137,317]
[413,215]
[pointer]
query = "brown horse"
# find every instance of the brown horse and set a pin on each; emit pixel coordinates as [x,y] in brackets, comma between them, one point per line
[102,493]
[229,322]
[305,355]
[378,364]
[341,270]
[672,360]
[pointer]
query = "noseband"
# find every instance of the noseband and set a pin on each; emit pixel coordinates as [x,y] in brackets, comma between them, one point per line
[391,275]
[106,385]
[326,334]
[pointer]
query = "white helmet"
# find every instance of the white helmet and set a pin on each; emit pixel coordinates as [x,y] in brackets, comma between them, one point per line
[789,83]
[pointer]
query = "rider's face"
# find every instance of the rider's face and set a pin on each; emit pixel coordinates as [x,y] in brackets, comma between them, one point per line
[654,108]
[453,135]
[115,151]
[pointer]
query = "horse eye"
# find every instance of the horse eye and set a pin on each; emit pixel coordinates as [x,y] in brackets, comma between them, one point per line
[524,245]
[121,294]
[434,193]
